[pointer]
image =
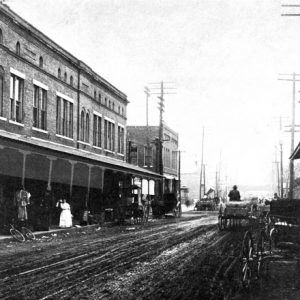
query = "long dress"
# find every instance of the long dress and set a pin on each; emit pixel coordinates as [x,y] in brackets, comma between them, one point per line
[65,219]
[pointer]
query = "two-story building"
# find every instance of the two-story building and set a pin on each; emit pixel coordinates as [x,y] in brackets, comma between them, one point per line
[62,126]
[142,145]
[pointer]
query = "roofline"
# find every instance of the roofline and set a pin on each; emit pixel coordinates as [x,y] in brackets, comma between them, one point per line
[33,31]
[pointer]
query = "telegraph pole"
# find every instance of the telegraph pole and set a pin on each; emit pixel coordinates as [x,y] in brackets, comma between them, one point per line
[201,167]
[147,92]
[291,165]
[281,171]
[162,91]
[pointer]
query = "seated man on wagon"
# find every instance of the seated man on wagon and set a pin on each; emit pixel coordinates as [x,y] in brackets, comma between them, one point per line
[234,194]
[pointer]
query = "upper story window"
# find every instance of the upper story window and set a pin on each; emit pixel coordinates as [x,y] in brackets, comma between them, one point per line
[105,101]
[1,36]
[64,115]
[40,106]
[99,98]
[113,106]
[71,80]
[16,96]
[87,128]
[95,95]
[109,104]
[82,123]
[1,90]
[97,129]
[59,73]
[119,109]
[109,135]
[18,49]
[65,77]
[122,111]
[41,62]
[120,139]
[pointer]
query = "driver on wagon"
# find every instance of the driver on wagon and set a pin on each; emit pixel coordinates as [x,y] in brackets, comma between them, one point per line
[234,194]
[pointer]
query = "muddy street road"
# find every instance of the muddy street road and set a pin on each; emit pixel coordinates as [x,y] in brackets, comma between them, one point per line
[166,259]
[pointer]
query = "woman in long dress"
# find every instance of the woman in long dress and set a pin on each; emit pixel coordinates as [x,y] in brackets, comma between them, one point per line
[65,219]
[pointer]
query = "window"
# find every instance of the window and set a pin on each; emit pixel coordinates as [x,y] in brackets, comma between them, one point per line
[118,109]
[1,36]
[148,154]
[71,80]
[99,97]
[87,128]
[41,62]
[16,98]
[64,117]
[18,49]
[120,139]
[1,90]
[105,101]
[113,106]
[122,111]
[59,73]
[40,108]
[97,130]
[65,77]
[109,135]
[95,95]
[82,132]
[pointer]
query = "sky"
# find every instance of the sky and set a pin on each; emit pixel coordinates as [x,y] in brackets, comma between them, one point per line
[222,58]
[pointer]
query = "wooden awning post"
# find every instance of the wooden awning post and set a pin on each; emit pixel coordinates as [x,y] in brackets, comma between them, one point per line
[51,159]
[72,162]
[25,153]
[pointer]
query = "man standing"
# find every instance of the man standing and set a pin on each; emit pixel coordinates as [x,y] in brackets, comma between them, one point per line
[234,195]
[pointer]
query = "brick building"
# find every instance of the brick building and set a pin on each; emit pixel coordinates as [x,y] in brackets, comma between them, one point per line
[62,126]
[138,137]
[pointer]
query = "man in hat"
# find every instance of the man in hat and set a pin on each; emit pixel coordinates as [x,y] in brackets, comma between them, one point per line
[234,194]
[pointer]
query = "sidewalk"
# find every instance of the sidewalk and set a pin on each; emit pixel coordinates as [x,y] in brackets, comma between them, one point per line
[56,231]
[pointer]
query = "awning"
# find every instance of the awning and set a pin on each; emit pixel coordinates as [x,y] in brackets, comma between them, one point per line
[170,177]
[85,156]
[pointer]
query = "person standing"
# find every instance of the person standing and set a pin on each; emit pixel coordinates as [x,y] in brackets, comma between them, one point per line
[234,194]
[65,219]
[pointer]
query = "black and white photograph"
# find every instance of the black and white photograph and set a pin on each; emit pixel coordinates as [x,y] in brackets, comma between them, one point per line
[150,149]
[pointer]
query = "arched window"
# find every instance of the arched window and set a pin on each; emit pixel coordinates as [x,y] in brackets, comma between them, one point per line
[119,109]
[1,90]
[41,62]
[18,48]
[105,101]
[87,128]
[59,73]
[109,103]
[82,125]
[1,36]
[113,106]
[71,80]
[95,95]
[65,77]
[99,97]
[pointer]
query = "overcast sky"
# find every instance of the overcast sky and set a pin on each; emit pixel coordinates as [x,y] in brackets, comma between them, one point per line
[223,58]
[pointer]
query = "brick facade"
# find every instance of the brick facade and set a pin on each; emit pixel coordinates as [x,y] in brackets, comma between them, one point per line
[40,59]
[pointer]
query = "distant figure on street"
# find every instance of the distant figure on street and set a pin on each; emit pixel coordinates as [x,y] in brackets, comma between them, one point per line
[234,194]
[276,197]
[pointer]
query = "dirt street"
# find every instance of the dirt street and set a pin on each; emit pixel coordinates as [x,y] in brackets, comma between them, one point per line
[165,259]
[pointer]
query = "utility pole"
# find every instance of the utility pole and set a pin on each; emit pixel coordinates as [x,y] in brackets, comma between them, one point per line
[201,167]
[281,171]
[204,187]
[291,165]
[147,92]
[162,91]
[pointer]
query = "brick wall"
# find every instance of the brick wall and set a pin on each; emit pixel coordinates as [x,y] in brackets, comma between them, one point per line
[33,45]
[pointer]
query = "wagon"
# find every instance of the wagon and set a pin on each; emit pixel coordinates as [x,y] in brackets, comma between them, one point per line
[232,213]
[206,204]
[284,221]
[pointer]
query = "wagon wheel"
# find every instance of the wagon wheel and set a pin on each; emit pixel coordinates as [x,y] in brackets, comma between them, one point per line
[272,239]
[246,259]
[220,222]
[260,251]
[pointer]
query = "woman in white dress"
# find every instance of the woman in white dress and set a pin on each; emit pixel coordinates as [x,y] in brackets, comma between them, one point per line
[65,219]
